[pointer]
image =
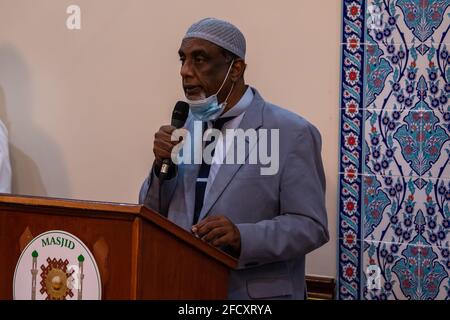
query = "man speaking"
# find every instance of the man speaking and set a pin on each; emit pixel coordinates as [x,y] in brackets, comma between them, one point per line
[269,221]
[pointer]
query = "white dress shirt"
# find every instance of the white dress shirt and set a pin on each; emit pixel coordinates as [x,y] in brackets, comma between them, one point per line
[220,150]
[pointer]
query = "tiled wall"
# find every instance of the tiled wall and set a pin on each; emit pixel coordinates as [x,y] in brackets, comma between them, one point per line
[394,193]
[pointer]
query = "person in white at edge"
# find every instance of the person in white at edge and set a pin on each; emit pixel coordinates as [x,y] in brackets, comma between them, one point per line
[5,165]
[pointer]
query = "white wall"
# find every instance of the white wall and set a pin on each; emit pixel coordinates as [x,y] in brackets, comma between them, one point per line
[82,106]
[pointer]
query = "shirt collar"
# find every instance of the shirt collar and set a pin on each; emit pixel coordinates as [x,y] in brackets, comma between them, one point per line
[242,104]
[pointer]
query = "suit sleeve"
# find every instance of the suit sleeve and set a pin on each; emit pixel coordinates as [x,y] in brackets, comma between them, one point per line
[301,225]
[149,193]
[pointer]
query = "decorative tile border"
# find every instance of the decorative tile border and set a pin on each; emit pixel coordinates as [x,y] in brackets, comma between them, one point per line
[351,126]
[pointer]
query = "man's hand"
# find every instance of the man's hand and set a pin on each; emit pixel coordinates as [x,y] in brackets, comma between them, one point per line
[163,145]
[220,232]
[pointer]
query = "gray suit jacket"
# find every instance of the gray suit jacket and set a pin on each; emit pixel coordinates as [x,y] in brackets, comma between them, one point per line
[280,217]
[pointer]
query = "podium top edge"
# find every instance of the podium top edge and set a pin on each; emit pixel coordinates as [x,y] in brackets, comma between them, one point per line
[69,203]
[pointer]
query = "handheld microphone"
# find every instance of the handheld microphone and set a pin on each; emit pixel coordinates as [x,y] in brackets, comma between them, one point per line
[179,116]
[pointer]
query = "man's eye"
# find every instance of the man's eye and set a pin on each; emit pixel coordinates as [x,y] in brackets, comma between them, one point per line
[182,59]
[199,59]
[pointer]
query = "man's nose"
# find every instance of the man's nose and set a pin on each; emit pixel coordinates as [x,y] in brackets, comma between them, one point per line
[186,69]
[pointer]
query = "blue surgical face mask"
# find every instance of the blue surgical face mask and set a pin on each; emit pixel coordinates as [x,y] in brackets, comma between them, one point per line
[208,109]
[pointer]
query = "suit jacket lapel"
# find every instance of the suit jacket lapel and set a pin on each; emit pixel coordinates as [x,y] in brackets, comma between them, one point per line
[252,120]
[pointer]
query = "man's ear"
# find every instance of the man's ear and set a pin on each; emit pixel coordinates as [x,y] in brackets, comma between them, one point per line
[237,71]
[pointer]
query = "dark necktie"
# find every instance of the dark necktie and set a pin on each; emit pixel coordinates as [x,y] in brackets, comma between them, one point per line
[202,178]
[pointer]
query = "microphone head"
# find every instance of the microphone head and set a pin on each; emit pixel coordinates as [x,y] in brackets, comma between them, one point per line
[180,114]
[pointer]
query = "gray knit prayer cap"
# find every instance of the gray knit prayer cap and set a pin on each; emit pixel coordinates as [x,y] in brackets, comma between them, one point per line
[219,32]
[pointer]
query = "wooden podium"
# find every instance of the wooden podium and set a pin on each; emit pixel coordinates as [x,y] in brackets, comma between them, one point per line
[139,253]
